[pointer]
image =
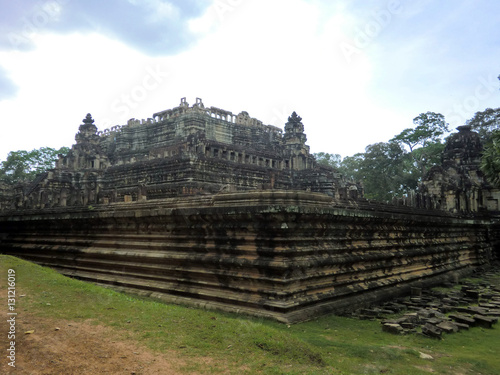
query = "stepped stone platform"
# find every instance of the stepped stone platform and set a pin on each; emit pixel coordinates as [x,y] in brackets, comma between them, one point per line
[201,206]
[287,255]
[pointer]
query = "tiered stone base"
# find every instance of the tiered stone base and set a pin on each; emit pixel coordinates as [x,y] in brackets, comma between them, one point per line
[288,255]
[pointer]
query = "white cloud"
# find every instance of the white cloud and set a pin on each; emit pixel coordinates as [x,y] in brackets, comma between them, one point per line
[259,59]
[59,82]
[267,58]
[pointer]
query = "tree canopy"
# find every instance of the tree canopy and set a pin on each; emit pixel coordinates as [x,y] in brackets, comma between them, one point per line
[425,141]
[485,122]
[490,162]
[329,160]
[393,168]
[25,165]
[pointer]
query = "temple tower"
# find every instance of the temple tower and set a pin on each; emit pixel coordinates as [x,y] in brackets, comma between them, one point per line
[294,138]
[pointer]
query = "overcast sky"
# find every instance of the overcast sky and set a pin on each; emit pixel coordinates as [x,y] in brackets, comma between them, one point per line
[356,71]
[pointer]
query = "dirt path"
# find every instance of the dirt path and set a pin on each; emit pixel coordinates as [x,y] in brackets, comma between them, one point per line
[63,347]
[57,346]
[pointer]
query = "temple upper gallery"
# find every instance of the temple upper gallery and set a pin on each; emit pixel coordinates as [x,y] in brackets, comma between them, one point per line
[198,150]
[186,150]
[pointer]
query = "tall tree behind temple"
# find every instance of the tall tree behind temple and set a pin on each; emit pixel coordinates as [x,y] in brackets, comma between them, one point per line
[490,162]
[330,160]
[393,168]
[424,143]
[25,165]
[485,122]
[382,170]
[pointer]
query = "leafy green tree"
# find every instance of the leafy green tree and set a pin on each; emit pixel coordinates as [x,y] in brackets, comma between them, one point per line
[490,162]
[25,165]
[424,142]
[382,171]
[485,122]
[329,160]
[350,166]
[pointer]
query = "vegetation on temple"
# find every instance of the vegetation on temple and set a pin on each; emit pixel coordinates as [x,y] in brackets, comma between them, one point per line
[25,165]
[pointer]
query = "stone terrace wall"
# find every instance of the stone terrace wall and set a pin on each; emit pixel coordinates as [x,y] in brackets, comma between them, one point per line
[287,255]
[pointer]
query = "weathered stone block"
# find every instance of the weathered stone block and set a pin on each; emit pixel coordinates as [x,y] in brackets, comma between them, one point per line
[392,328]
[484,321]
[447,327]
[463,319]
[431,331]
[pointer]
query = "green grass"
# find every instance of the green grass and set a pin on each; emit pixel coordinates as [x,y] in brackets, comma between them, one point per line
[245,345]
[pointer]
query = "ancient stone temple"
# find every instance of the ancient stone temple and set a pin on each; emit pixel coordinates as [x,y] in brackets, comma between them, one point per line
[458,185]
[180,152]
[202,207]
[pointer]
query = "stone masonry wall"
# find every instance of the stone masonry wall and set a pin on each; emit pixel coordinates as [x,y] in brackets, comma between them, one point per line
[288,255]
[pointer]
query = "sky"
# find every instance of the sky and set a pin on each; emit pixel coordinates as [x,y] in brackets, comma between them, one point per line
[356,71]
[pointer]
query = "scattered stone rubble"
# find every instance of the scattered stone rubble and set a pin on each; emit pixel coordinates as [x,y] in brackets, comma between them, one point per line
[433,311]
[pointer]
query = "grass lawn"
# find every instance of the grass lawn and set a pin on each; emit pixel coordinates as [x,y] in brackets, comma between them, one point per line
[328,345]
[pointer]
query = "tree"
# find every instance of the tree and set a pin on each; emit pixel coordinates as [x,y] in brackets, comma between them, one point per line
[490,161]
[25,165]
[382,171]
[424,142]
[485,122]
[350,166]
[329,160]
[429,128]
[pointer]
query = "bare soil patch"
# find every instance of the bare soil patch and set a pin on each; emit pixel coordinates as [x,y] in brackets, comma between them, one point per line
[64,347]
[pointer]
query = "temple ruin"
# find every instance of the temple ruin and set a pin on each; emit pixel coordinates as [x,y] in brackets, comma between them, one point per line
[181,152]
[458,185]
[199,206]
